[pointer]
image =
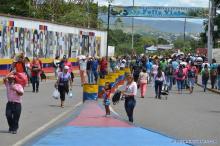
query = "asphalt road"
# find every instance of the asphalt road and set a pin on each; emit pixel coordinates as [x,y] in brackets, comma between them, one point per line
[186,117]
[39,112]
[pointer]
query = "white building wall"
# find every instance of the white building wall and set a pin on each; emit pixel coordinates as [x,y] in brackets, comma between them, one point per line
[34,25]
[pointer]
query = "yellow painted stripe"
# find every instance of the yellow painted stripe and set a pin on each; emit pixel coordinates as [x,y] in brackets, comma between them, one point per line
[44,60]
[127,70]
[90,88]
[110,78]
[6,61]
[101,82]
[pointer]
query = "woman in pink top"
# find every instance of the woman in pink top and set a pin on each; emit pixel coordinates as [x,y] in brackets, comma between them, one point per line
[180,77]
[13,107]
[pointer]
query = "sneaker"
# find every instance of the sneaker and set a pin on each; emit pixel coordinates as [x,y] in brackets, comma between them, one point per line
[107,116]
[14,132]
[33,91]
[37,91]
[9,130]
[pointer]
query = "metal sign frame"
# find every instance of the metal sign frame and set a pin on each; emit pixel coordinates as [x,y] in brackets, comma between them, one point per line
[155,12]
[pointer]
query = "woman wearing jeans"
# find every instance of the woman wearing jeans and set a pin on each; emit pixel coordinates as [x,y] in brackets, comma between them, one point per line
[180,77]
[159,79]
[129,94]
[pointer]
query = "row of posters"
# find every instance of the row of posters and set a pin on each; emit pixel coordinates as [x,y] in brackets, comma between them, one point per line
[43,43]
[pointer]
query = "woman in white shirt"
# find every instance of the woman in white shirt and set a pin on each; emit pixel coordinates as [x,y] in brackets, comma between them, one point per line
[129,94]
[159,80]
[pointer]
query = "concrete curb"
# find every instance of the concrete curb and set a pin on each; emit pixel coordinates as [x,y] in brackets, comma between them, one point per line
[212,90]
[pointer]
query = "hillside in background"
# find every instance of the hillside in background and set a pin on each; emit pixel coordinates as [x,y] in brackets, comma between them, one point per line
[144,26]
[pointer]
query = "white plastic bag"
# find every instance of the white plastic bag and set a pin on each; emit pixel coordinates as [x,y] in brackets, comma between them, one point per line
[56,94]
[70,94]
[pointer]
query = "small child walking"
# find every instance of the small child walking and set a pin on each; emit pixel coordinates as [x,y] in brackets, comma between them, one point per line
[106,95]
[13,106]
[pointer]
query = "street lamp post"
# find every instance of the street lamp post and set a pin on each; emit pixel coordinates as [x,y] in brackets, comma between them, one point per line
[132,41]
[210,24]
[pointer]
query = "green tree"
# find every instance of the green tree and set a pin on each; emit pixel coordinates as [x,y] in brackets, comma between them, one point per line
[162,41]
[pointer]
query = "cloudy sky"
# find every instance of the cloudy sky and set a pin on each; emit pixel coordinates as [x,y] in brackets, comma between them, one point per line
[180,3]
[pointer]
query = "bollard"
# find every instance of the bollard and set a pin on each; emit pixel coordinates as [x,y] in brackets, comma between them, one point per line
[121,77]
[127,71]
[101,83]
[90,92]
[111,79]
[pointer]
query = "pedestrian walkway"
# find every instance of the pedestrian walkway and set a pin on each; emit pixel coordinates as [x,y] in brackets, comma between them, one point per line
[92,128]
[208,85]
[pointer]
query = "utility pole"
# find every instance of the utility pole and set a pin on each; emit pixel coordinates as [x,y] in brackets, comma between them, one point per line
[108,30]
[184,35]
[88,11]
[132,41]
[210,31]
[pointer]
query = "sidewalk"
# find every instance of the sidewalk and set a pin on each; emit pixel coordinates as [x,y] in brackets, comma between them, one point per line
[92,128]
[208,86]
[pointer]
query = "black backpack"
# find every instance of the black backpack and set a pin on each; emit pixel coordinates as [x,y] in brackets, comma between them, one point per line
[206,74]
[169,70]
[180,73]
[191,73]
[116,97]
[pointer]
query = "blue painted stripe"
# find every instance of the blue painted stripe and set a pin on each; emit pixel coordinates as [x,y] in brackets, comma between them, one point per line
[93,136]
[112,84]
[100,88]
[5,67]
[121,77]
[90,96]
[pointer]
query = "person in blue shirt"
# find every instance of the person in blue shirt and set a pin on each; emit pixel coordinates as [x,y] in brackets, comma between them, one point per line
[175,65]
[149,65]
[95,65]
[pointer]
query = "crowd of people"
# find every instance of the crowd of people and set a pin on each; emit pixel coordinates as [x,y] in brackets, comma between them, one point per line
[160,72]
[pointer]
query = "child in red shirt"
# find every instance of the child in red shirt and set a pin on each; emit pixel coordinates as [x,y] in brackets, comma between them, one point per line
[106,95]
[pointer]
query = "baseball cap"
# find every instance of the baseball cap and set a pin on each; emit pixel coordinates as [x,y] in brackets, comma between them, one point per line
[66,67]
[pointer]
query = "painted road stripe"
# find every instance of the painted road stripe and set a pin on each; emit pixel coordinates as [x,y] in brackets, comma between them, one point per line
[105,136]
[91,128]
[36,132]
[92,115]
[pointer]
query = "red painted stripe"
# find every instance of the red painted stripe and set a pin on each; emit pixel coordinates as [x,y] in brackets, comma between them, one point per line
[93,116]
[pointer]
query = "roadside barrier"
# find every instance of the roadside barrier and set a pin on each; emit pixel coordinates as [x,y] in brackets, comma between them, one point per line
[93,91]
[90,92]
[101,84]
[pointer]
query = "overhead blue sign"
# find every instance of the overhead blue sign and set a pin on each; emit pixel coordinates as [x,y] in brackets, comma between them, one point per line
[158,12]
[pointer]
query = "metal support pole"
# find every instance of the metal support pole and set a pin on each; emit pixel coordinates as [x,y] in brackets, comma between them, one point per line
[88,12]
[210,32]
[184,35]
[132,41]
[108,30]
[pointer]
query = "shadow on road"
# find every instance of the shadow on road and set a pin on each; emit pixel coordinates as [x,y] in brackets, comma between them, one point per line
[4,131]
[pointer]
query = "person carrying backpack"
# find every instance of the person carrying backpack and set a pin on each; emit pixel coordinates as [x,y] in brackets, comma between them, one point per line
[191,76]
[213,78]
[169,76]
[180,77]
[205,76]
